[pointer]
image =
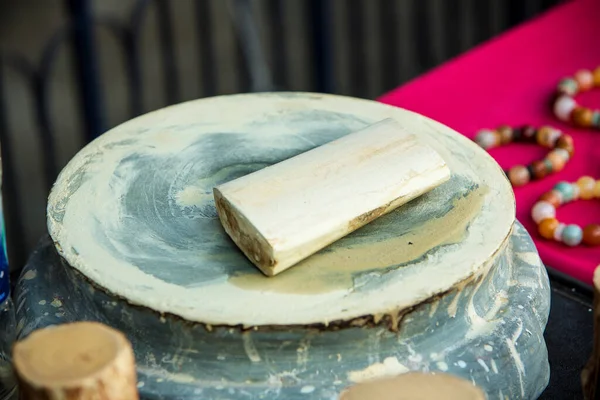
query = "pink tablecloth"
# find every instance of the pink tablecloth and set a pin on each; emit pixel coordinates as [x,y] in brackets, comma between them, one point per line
[509,80]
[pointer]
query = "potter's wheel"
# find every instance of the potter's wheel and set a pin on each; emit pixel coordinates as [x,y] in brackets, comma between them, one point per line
[133,220]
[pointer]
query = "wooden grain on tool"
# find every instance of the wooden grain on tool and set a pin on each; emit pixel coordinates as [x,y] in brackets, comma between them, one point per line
[286,212]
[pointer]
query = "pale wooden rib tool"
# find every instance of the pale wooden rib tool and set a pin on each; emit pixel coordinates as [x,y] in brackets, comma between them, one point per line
[288,211]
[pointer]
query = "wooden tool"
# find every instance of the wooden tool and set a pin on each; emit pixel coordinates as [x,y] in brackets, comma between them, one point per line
[415,386]
[78,361]
[284,213]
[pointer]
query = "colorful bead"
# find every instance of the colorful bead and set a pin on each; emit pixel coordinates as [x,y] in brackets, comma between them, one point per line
[559,194]
[563,107]
[575,192]
[568,86]
[556,160]
[549,167]
[559,231]
[528,132]
[585,79]
[538,169]
[519,175]
[572,235]
[555,134]
[582,117]
[487,139]
[566,142]
[542,210]
[506,134]
[564,154]
[597,190]
[553,197]
[566,190]
[596,119]
[518,134]
[544,136]
[596,75]
[591,235]
[547,227]
[530,171]
[586,186]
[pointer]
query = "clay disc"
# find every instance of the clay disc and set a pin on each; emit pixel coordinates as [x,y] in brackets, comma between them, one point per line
[133,211]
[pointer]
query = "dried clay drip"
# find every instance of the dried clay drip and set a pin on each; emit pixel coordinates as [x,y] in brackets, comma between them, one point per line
[589,375]
[415,386]
[79,361]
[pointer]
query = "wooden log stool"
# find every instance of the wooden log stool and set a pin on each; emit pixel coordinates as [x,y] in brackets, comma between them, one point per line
[77,361]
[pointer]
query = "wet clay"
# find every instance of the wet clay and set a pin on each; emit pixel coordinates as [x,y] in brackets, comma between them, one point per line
[335,270]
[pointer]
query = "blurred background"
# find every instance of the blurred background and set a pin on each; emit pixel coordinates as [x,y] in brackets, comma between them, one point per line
[72,69]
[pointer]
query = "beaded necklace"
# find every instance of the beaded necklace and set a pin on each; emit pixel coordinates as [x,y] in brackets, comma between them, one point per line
[565,106]
[561,146]
[544,213]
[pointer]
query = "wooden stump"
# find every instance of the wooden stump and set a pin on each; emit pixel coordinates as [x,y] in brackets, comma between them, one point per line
[78,361]
[589,375]
[415,386]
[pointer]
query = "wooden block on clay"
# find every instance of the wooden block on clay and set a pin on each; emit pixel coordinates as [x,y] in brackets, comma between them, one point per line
[77,361]
[286,212]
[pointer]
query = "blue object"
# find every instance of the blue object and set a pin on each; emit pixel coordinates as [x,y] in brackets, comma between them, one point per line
[572,235]
[4,271]
[566,190]
[570,85]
